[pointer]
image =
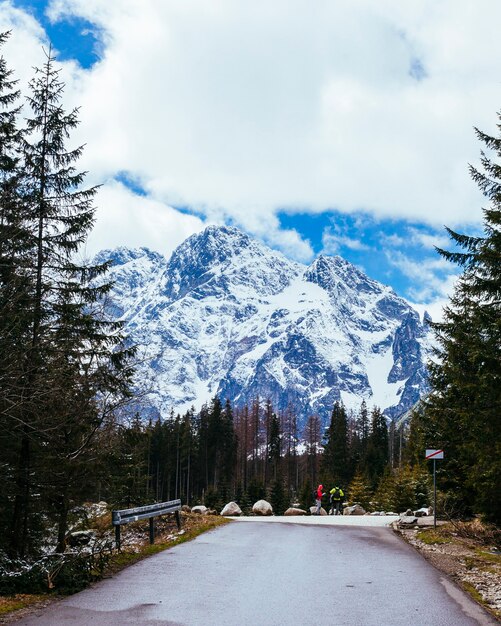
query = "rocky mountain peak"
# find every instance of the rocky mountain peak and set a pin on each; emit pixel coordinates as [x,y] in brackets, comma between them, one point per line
[228,315]
[221,258]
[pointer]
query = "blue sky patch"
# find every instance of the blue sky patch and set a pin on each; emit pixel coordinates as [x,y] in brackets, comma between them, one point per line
[73,38]
[131,182]
[394,252]
[417,70]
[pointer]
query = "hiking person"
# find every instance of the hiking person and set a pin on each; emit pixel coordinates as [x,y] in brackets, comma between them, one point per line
[318,499]
[336,497]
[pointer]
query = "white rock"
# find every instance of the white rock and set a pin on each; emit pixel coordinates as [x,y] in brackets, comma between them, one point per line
[80,538]
[407,520]
[200,509]
[313,510]
[261,507]
[423,512]
[294,511]
[356,509]
[231,510]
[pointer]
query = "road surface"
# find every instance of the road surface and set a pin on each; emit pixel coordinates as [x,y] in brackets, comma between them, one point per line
[268,574]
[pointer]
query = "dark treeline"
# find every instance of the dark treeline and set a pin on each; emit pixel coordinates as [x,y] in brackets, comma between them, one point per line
[224,453]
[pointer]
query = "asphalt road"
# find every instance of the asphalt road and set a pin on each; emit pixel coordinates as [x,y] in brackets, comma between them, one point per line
[263,574]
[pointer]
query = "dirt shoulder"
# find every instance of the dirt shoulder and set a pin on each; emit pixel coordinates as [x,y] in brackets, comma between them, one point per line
[468,553]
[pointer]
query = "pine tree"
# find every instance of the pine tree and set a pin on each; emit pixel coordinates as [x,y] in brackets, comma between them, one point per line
[462,412]
[256,491]
[75,370]
[274,446]
[229,444]
[384,497]
[278,496]
[359,491]
[335,461]
[312,437]
[377,447]
[15,292]
[306,499]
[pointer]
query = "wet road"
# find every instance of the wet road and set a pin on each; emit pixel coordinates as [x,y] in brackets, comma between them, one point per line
[270,574]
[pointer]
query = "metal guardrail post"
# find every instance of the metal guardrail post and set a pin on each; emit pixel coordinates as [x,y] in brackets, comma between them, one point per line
[150,511]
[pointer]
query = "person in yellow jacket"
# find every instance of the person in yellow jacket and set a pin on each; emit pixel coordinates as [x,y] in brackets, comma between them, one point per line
[336,500]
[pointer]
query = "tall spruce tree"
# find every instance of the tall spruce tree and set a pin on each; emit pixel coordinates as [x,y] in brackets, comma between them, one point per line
[335,464]
[14,287]
[75,368]
[376,457]
[462,412]
[274,446]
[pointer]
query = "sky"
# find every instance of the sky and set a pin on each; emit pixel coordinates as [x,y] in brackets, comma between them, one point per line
[334,127]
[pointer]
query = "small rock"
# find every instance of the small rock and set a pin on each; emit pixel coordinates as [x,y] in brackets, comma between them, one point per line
[80,538]
[200,509]
[295,511]
[313,510]
[407,520]
[356,509]
[185,508]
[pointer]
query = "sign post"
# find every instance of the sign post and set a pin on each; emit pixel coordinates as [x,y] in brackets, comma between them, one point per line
[434,454]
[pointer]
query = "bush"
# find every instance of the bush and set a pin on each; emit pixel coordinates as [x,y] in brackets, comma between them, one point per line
[65,573]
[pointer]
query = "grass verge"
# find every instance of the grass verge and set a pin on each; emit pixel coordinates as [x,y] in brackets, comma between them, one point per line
[192,526]
[8,604]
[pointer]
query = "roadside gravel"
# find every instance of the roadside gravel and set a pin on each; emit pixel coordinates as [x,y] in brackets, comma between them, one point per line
[470,562]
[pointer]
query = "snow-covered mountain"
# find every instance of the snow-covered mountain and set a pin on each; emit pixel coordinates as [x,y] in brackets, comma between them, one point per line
[228,315]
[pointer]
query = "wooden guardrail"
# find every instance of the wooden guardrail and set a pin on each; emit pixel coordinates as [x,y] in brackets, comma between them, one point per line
[150,511]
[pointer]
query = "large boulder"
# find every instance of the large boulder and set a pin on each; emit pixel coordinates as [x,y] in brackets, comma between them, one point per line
[295,511]
[261,507]
[313,510]
[356,509]
[231,510]
[186,509]
[200,509]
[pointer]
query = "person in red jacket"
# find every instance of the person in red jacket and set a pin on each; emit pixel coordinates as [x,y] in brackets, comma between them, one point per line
[318,498]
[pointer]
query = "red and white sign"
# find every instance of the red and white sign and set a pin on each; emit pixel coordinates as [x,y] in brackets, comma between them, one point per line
[434,454]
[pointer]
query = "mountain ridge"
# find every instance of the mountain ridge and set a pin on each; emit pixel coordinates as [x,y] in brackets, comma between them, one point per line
[228,315]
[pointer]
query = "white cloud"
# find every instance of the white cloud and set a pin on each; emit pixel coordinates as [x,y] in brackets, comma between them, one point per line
[429,240]
[433,277]
[126,219]
[239,109]
[332,242]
